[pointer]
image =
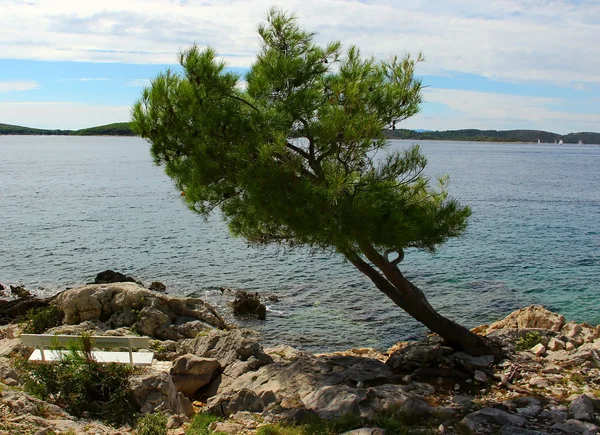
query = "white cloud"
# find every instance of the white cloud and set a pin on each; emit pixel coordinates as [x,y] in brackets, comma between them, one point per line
[548,41]
[139,82]
[64,116]
[484,110]
[26,85]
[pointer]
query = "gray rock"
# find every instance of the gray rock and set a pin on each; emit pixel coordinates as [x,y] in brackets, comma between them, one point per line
[418,355]
[469,361]
[582,408]
[573,426]
[190,372]
[538,350]
[586,356]
[512,430]
[332,401]
[366,431]
[555,415]
[227,427]
[153,391]
[480,376]
[229,347]
[176,421]
[8,375]
[492,416]
[231,402]
[555,344]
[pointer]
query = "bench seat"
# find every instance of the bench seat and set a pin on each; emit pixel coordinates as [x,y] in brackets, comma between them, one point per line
[139,358]
[41,341]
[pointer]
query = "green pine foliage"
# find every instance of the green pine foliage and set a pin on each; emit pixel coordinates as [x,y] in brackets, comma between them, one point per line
[295,157]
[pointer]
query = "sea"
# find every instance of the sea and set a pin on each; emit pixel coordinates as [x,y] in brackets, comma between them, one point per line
[71,207]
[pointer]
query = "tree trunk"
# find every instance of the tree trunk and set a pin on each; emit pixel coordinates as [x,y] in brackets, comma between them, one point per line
[411,299]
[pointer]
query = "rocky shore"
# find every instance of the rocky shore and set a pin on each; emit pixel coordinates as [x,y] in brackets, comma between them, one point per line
[548,383]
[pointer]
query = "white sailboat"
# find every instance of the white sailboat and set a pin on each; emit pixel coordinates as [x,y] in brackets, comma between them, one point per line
[560,142]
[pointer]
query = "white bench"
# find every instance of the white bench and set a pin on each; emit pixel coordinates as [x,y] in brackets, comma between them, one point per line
[41,341]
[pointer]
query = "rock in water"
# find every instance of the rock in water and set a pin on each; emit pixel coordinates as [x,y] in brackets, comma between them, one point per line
[110,276]
[20,291]
[157,286]
[248,304]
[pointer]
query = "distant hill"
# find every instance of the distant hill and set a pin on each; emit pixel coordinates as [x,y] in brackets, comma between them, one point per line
[125,129]
[117,129]
[495,136]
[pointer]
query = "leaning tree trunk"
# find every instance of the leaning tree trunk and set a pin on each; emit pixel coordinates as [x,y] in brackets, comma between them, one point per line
[411,299]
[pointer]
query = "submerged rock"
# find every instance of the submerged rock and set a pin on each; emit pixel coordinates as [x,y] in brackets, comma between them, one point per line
[110,276]
[157,286]
[248,304]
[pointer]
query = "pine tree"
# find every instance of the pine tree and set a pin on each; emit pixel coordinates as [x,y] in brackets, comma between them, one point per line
[295,155]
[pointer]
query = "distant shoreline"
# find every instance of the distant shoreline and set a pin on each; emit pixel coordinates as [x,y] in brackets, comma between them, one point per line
[125,129]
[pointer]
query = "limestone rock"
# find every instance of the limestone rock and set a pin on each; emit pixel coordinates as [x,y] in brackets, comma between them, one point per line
[228,346]
[534,316]
[587,355]
[190,373]
[538,350]
[154,391]
[87,327]
[555,344]
[234,401]
[176,421]
[126,304]
[8,374]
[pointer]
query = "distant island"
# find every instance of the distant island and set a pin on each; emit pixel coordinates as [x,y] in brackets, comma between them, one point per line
[116,129]
[496,136]
[125,129]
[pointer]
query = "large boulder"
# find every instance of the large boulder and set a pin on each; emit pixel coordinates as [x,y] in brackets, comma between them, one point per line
[331,386]
[534,316]
[129,304]
[190,373]
[154,391]
[228,347]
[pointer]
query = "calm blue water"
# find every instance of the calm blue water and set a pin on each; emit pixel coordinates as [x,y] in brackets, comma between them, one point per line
[71,207]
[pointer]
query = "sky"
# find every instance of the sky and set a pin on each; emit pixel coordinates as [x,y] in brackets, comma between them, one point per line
[490,64]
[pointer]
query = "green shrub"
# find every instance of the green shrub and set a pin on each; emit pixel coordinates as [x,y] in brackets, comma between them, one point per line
[39,320]
[84,387]
[528,341]
[152,424]
[200,423]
